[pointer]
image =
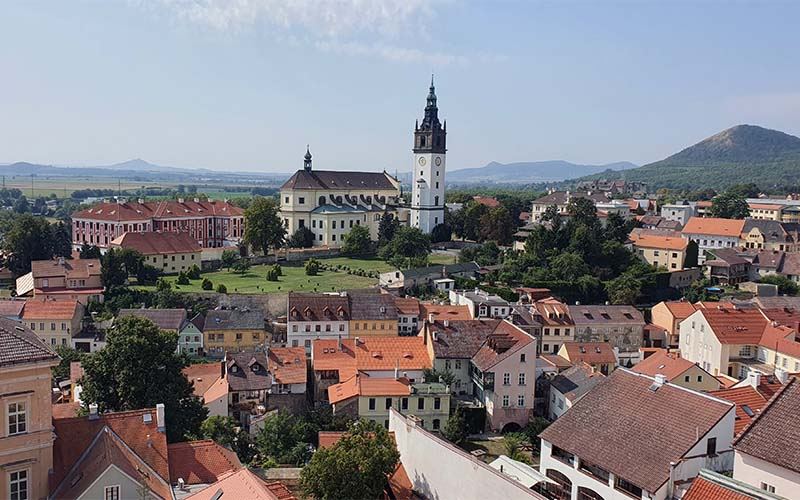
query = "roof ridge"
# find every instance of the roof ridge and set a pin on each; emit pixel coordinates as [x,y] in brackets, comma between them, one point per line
[764,410]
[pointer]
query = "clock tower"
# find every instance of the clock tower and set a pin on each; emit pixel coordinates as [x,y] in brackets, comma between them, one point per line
[427,194]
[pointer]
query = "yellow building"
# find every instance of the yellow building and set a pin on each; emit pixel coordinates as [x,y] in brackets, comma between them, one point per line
[765,211]
[53,321]
[233,331]
[26,434]
[370,398]
[677,371]
[770,235]
[168,252]
[372,313]
[661,251]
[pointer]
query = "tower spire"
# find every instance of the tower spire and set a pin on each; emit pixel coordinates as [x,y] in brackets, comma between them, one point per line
[307,159]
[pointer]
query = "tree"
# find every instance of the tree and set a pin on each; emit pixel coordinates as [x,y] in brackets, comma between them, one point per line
[112,270]
[312,267]
[512,442]
[229,258]
[729,205]
[89,252]
[535,427]
[355,467]
[625,289]
[21,206]
[264,229]
[61,240]
[455,430]
[445,376]
[221,430]
[301,238]
[221,288]
[442,232]
[207,284]
[147,274]
[698,292]
[183,279]
[409,246]
[193,272]
[496,225]
[241,266]
[785,285]
[273,273]
[68,355]
[138,368]
[568,266]
[387,226]
[285,438]
[29,238]
[132,260]
[357,241]
[473,213]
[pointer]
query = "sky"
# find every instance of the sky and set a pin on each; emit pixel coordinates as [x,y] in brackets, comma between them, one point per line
[246,84]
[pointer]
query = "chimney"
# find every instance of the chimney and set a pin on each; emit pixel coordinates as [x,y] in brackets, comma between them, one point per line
[577,302]
[140,200]
[160,420]
[754,378]
[93,412]
[397,369]
[431,317]
[782,376]
[149,441]
[661,379]
[447,323]
[180,200]
[339,343]
[357,340]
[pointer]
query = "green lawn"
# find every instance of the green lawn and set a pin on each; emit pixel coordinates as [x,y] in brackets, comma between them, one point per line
[378,264]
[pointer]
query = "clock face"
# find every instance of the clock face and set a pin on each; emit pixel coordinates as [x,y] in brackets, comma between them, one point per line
[422,161]
[438,161]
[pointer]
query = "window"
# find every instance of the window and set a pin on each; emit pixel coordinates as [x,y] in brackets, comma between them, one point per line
[52,326]
[18,485]
[388,403]
[301,200]
[522,358]
[238,337]
[111,492]
[521,400]
[506,379]
[505,401]
[711,446]
[437,403]
[767,487]
[436,424]
[420,403]
[307,343]
[294,328]
[547,331]
[699,378]
[521,379]
[404,403]
[17,418]
[372,404]
[686,378]
[286,199]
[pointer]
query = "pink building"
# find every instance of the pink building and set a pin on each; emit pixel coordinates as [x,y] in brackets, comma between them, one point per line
[213,224]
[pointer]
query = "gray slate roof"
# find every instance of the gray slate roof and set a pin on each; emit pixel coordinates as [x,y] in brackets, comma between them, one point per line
[461,339]
[576,381]
[18,345]
[165,319]
[233,320]
[329,179]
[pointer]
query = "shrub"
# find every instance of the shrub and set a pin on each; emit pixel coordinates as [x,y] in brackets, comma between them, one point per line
[278,269]
[207,284]
[194,272]
[221,288]
[272,274]
[183,279]
[312,267]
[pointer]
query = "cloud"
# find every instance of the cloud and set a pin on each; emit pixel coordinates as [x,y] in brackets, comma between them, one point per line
[371,28]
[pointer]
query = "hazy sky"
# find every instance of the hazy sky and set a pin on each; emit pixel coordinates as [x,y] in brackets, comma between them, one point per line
[245,84]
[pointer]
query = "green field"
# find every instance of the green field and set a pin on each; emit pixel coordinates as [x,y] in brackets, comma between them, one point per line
[64,186]
[295,279]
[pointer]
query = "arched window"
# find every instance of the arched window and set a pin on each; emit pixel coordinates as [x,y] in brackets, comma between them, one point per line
[321,200]
[562,490]
[587,494]
[436,200]
[422,140]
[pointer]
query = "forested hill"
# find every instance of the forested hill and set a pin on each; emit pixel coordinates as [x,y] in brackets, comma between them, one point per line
[741,154]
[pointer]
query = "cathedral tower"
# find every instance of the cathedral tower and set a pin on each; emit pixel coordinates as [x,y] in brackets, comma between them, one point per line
[427,197]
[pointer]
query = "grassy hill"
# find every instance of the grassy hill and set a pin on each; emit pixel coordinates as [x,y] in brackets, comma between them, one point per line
[741,154]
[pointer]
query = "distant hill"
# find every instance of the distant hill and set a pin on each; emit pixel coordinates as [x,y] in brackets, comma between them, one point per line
[740,154]
[530,172]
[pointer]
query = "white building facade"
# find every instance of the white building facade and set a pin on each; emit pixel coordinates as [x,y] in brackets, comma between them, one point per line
[427,197]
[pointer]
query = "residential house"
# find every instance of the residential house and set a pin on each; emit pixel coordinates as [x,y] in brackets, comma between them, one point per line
[12,308]
[569,386]
[620,451]
[750,396]
[621,326]
[54,321]
[372,313]
[242,484]
[288,372]
[709,484]
[712,233]
[452,344]
[126,455]
[764,263]
[661,251]
[248,385]
[227,330]
[190,336]
[561,199]
[76,279]
[334,361]
[425,276]
[677,370]
[770,235]
[680,213]
[190,332]
[441,312]
[504,377]
[371,398]
[209,383]
[599,355]
[724,266]
[481,304]
[557,324]
[408,315]
[25,411]
[765,211]
[168,252]
[658,223]
[213,224]
[313,316]
[766,450]
[668,315]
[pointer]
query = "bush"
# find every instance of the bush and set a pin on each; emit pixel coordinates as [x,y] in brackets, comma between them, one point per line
[272,274]
[221,288]
[278,269]
[207,284]
[194,272]
[312,267]
[183,278]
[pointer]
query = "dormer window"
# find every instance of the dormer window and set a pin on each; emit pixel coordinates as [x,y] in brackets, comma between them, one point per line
[234,369]
[256,367]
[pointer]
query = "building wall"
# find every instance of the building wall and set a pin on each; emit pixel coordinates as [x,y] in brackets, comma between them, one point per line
[680,214]
[303,333]
[31,451]
[670,259]
[226,340]
[408,324]
[708,242]
[755,472]
[499,414]
[700,346]
[55,332]
[187,342]
[558,404]
[175,262]
[661,315]
[698,380]
[626,338]
[460,370]
[553,337]
[428,415]
[373,328]
[218,407]
[128,488]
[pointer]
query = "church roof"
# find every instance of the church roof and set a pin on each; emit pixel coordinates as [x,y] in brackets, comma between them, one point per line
[330,179]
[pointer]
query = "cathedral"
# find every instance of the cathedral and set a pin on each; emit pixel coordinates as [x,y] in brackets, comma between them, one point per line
[330,203]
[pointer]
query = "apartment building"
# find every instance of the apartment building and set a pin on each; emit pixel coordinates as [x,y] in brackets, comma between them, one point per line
[53,321]
[710,233]
[76,279]
[170,253]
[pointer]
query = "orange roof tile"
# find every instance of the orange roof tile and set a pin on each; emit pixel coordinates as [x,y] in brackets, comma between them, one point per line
[736,326]
[660,242]
[489,202]
[156,243]
[363,385]
[243,484]
[713,226]
[706,490]
[502,343]
[666,363]
[589,352]
[44,308]
[764,206]
[748,396]
[407,305]
[200,462]
[680,310]
[442,312]
[203,376]
[287,364]
[371,353]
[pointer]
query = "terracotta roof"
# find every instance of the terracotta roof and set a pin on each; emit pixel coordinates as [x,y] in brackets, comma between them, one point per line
[46,308]
[736,326]
[371,353]
[19,345]
[157,243]
[165,319]
[749,400]
[251,371]
[71,268]
[589,352]
[11,308]
[442,312]
[407,305]
[287,364]
[714,226]
[363,385]
[330,179]
[611,436]
[400,485]
[503,342]
[132,211]
[556,360]
[240,485]
[660,242]
[665,363]
[318,307]
[372,304]
[603,315]
[200,462]
[772,436]
[489,202]
[203,376]
[680,309]
[551,312]
[461,338]
[764,206]
[74,436]
[706,490]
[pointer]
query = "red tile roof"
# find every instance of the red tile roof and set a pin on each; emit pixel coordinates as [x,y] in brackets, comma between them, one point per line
[502,343]
[489,202]
[371,353]
[680,310]
[706,490]
[714,226]
[200,462]
[11,307]
[287,364]
[71,268]
[442,312]
[157,243]
[660,242]
[203,376]
[45,308]
[362,385]
[131,211]
[589,352]
[243,485]
[407,305]
[666,363]
[750,397]
[736,326]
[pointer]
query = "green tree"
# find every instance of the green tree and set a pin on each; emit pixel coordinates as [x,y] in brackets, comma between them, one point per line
[285,438]
[625,289]
[21,206]
[229,258]
[355,467]
[312,267]
[89,252]
[445,376]
[147,274]
[241,266]
[221,288]
[68,355]
[729,205]
[61,240]
[207,284]
[222,430]
[112,270]
[272,274]
[409,245]
[785,285]
[193,272]
[387,226]
[132,260]
[455,430]
[138,368]
[264,229]
[301,238]
[29,238]
[536,426]
[357,241]
[473,213]
[512,443]
[568,266]
[183,279]
[496,225]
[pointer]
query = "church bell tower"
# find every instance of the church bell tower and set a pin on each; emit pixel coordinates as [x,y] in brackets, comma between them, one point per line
[430,149]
